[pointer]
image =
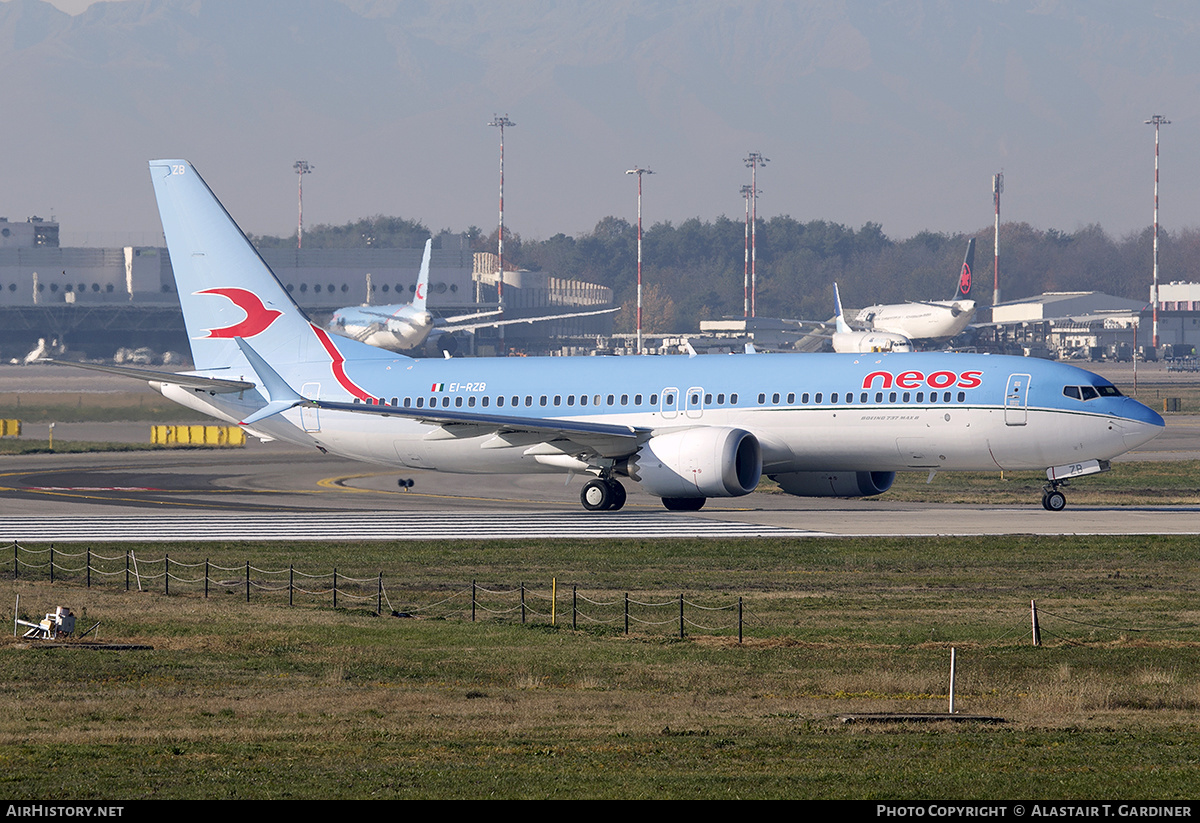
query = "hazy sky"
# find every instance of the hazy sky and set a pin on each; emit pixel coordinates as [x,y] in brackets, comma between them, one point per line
[897,112]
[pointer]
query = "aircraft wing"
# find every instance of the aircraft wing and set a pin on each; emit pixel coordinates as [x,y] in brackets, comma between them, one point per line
[216,385]
[577,436]
[574,437]
[488,323]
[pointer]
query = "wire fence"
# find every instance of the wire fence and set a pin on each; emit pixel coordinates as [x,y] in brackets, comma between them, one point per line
[168,576]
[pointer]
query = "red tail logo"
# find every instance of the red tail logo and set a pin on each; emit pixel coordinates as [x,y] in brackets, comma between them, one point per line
[964,280]
[258,316]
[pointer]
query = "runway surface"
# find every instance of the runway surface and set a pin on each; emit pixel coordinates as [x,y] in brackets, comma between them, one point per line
[277,491]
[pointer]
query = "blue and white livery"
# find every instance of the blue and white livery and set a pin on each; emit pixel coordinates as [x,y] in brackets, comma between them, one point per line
[685,428]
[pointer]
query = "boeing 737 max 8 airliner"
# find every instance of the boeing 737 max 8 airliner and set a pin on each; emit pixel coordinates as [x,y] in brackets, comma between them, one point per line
[686,429]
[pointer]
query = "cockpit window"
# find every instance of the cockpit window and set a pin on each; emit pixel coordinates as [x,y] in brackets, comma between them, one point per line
[1091,392]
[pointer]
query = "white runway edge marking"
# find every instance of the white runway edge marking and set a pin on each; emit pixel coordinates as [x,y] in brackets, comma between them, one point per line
[375,526]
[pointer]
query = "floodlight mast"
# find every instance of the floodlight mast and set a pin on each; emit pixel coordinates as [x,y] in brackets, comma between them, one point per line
[754,160]
[302,168]
[746,256]
[997,190]
[1156,121]
[639,171]
[500,121]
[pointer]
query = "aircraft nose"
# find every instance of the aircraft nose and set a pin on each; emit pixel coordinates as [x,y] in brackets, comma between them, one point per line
[1140,424]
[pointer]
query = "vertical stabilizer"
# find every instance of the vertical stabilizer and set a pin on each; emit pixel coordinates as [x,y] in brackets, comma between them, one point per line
[842,326]
[226,290]
[965,277]
[418,302]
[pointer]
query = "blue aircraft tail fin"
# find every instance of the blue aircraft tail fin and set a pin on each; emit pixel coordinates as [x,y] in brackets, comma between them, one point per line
[842,325]
[226,290]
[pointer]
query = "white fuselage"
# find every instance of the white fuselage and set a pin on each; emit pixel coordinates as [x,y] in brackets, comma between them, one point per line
[937,320]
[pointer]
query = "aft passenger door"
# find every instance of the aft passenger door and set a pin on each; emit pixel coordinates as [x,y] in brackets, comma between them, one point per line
[1016,400]
[310,418]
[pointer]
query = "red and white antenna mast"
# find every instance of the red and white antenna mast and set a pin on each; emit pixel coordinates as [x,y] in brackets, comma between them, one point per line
[754,161]
[997,190]
[500,121]
[1156,121]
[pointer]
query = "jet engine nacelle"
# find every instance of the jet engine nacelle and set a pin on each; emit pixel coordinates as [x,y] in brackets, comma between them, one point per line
[835,484]
[702,462]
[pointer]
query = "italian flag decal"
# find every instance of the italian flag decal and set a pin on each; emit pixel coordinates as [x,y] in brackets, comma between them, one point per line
[438,387]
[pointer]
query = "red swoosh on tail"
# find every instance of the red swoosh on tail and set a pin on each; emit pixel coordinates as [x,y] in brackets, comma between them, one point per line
[338,365]
[258,316]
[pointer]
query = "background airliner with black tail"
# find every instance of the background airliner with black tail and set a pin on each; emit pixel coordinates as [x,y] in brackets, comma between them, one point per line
[406,327]
[685,429]
[936,320]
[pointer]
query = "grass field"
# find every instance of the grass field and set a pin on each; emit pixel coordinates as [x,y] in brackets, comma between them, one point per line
[263,700]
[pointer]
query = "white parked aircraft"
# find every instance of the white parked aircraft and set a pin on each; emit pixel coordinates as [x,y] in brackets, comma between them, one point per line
[686,429]
[926,320]
[406,327]
[848,341]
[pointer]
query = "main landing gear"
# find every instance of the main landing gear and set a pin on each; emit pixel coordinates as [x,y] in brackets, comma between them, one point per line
[602,494]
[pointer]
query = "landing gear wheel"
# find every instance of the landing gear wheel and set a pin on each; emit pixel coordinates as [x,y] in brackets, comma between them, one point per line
[597,495]
[1054,501]
[618,495]
[684,504]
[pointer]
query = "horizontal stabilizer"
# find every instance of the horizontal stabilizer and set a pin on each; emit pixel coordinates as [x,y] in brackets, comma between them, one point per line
[216,385]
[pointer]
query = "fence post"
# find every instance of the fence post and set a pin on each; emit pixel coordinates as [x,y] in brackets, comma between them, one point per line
[626,612]
[88,566]
[51,562]
[206,578]
[574,605]
[379,596]
[126,570]
[166,573]
[247,581]
[291,583]
[472,601]
[680,616]
[335,587]
[739,619]
[16,562]
[1037,633]
[522,604]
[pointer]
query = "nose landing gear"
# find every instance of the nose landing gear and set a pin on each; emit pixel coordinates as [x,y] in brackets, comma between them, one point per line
[1052,499]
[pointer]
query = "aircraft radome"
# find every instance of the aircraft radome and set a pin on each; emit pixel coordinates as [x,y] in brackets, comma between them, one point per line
[685,428]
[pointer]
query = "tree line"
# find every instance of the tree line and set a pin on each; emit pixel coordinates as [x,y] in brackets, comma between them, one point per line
[694,271]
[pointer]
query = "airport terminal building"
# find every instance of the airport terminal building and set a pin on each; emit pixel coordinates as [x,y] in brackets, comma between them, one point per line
[98,300]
